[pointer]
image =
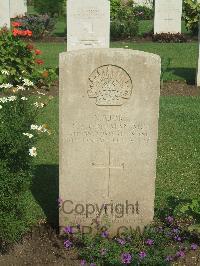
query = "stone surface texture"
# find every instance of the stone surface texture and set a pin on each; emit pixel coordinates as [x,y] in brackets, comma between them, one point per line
[198,69]
[18,8]
[109,109]
[167,16]
[5,13]
[88,24]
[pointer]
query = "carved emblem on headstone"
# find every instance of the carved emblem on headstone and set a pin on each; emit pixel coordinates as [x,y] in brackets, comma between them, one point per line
[110,85]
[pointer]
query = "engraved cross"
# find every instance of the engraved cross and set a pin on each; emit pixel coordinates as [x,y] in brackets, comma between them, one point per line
[108,166]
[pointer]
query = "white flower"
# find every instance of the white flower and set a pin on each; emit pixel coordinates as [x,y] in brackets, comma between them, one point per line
[36,104]
[12,98]
[6,86]
[41,93]
[8,99]
[1,106]
[28,135]
[27,82]
[20,88]
[33,152]
[24,98]
[34,127]
[5,72]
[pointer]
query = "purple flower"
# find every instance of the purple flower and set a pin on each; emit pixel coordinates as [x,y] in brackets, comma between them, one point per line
[126,258]
[103,252]
[169,219]
[68,230]
[169,258]
[93,264]
[160,229]
[177,238]
[121,241]
[176,231]
[149,242]
[194,246]
[60,202]
[104,234]
[180,253]
[83,262]
[67,244]
[142,254]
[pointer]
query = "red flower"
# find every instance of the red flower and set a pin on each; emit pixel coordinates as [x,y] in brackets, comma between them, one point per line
[17,32]
[16,24]
[29,33]
[37,52]
[39,61]
[30,46]
[45,74]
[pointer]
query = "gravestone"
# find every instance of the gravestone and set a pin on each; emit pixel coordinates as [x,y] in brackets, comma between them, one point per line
[167,18]
[5,13]
[148,3]
[18,8]
[88,24]
[109,107]
[198,69]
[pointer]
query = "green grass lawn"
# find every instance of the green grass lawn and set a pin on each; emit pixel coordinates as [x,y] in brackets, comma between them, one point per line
[178,169]
[183,56]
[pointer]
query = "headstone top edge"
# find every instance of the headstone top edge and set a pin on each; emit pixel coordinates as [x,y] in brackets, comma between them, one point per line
[152,56]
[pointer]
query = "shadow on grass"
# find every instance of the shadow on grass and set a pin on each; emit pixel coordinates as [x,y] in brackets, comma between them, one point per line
[45,189]
[188,74]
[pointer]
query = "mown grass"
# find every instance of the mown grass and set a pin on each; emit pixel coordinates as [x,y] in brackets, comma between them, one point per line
[178,169]
[183,56]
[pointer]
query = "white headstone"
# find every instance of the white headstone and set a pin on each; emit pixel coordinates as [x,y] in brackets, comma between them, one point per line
[18,8]
[148,3]
[88,24]
[109,108]
[198,69]
[5,13]
[167,18]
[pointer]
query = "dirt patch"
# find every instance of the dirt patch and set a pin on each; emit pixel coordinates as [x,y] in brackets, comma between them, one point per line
[178,88]
[42,246]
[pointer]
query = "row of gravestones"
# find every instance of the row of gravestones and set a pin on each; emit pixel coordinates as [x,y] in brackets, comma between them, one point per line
[167,13]
[11,9]
[109,109]
[88,25]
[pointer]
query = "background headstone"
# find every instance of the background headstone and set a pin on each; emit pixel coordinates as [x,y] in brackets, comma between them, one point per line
[148,3]
[88,24]
[5,13]
[18,8]
[109,108]
[167,16]
[198,69]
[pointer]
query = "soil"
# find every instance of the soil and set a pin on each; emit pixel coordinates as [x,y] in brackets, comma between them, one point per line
[43,246]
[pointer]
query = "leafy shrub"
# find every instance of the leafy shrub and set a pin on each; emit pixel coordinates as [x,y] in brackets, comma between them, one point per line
[190,209]
[20,59]
[169,37]
[51,7]
[191,14]
[144,12]
[124,23]
[15,164]
[123,29]
[40,25]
